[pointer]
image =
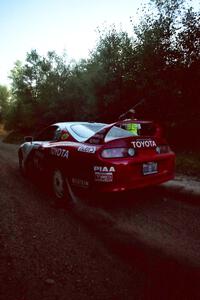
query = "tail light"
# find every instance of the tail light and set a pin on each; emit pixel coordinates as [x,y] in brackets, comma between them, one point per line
[118,152]
[163,149]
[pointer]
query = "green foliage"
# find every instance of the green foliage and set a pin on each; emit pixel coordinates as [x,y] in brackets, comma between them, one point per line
[37,88]
[168,56]
[189,38]
[110,62]
[4,99]
[160,63]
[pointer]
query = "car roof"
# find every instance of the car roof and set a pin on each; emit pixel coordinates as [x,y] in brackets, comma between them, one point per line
[68,124]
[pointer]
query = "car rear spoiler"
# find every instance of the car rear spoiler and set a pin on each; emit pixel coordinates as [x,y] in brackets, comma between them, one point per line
[99,136]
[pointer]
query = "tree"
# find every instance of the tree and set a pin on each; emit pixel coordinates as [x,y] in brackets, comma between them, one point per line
[4,102]
[160,63]
[110,66]
[167,58]
[156,56]
[38,88]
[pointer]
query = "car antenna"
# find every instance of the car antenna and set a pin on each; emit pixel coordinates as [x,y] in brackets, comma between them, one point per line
[131,112]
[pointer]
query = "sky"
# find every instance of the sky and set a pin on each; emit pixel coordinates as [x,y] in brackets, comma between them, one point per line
[60,25]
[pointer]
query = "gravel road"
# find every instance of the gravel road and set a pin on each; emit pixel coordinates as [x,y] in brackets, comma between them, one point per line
[138,245]
[47,254]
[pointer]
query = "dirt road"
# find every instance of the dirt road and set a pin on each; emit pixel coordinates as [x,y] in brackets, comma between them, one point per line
[46,254]
[141,245]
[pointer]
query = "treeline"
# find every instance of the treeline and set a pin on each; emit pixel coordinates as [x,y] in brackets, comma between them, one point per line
[160,63]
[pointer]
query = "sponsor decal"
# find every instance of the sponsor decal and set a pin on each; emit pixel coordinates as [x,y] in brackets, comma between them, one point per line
[103,177]
[144,144]
[103,173]
[87,149]
[60,152]
[80,182]
[64,136]
[104,169]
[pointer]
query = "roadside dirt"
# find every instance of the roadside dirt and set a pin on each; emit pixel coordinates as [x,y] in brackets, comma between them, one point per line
[47,254]
[136,245]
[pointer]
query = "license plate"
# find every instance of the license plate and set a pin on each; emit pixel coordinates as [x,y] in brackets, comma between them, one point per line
[150,168]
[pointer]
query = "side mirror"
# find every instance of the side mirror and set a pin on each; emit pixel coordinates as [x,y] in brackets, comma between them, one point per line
[28,139]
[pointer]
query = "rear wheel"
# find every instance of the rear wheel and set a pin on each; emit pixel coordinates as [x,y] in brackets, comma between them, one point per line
[61,188]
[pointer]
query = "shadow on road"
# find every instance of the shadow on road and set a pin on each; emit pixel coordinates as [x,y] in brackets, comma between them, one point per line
[118,221]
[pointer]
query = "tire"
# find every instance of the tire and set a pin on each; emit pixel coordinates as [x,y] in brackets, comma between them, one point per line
[58,184]
[61,188]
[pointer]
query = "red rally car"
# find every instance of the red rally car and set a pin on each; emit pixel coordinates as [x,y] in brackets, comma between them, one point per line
[98,157]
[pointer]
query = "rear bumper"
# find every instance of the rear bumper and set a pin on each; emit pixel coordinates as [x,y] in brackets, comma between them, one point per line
[139,183]
[130,176]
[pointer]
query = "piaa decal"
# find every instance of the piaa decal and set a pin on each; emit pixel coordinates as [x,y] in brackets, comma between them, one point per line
[104,169]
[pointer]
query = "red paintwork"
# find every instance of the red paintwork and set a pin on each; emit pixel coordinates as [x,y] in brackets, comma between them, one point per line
[128,171]
[80,167]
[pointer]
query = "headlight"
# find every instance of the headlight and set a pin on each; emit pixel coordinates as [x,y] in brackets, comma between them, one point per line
[163,149]
[118,152]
